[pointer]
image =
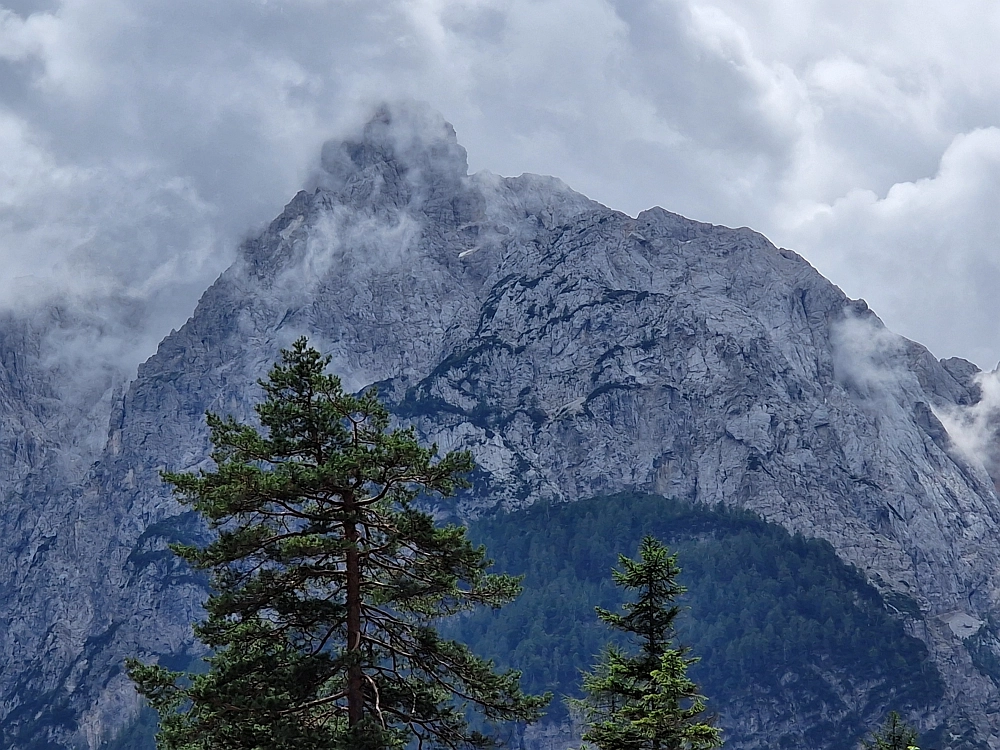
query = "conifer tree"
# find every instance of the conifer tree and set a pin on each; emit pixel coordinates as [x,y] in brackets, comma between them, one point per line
[646,701]
[327,585]
[894,734]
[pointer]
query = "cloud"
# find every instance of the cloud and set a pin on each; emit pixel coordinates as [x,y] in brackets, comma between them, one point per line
[928,250]
[974,429]
[142,138]
[868,357]
[877,367]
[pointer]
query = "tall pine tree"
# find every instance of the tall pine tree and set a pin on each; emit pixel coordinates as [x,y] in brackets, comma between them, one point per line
[646,701]
[327,584]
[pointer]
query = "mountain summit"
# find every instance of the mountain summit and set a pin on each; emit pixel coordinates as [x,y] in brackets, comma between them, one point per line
[577,352]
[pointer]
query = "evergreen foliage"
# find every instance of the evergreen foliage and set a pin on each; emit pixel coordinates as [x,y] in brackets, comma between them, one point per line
[328,585]
[772,616]
[646,701]
[894,734]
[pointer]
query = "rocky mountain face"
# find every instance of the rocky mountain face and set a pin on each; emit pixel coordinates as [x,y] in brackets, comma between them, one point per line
[575,350]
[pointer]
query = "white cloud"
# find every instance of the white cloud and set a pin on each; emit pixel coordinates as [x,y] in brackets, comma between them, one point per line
[142,138]
[867,358]
[974,429]
[927,251]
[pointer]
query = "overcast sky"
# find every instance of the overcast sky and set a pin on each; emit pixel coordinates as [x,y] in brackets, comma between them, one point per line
[139,139]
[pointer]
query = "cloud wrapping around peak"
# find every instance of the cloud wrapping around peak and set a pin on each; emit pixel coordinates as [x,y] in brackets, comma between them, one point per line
[934,243]
[973,430]
[141,139]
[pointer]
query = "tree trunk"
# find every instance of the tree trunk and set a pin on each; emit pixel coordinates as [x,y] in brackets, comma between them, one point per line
[355,677]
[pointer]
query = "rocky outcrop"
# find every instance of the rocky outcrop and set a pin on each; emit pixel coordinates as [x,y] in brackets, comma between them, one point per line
[576,350]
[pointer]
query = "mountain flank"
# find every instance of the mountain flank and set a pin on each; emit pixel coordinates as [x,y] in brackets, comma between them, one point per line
[577,351]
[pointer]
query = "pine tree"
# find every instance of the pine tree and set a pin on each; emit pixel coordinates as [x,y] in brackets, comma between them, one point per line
[646,701]
[894,734]
[327,585]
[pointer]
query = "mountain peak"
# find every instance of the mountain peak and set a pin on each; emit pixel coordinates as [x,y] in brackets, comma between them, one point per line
[401,139]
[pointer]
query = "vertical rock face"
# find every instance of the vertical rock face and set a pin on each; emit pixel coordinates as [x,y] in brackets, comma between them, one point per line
[574,349]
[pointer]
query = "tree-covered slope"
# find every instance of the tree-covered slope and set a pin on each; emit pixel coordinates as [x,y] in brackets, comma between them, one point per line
[797,650]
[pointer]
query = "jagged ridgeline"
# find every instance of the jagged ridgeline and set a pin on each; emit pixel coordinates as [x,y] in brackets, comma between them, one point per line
[797,649]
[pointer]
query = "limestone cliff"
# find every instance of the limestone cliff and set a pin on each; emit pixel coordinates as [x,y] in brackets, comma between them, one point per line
[575,350]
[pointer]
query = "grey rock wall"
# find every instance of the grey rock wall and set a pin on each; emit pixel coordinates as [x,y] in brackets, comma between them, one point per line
[574,349]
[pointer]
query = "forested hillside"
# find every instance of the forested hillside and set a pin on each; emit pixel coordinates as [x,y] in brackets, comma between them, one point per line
[792,642]
[788,635]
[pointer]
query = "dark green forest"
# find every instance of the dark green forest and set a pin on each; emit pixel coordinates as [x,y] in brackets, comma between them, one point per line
[779,621]
[784,629]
